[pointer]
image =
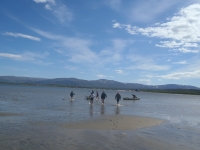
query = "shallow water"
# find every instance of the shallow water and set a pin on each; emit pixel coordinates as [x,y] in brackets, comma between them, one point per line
[31,116]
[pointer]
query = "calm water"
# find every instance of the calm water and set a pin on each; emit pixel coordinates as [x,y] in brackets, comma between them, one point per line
[52,104]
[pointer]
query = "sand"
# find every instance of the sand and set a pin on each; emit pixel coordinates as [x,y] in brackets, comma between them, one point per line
[108,122]
[115,122]
[99,133]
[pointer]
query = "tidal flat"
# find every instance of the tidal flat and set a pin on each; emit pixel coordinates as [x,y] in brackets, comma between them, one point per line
[44,118]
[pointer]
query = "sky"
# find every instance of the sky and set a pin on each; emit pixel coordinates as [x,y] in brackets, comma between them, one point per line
[152,42]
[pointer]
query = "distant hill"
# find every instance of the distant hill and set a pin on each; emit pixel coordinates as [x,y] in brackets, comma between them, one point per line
[102,83]
[14,79]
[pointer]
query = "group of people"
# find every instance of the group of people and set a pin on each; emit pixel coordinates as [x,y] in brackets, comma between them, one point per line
[92,96]
[103,97]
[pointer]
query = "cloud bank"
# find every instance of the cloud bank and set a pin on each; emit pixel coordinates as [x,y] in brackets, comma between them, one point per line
[179,33]
[180,75]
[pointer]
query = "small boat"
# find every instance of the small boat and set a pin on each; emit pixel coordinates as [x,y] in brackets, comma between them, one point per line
[127,98]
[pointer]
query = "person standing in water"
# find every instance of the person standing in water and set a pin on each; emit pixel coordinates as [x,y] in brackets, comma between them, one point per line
[103,96]
[91,98]
[71,95]
[117,97]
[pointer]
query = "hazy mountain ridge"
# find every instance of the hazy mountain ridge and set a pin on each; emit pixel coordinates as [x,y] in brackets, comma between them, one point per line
[101,83]
[14,79]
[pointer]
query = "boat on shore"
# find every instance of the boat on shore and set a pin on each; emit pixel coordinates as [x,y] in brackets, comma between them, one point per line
[127,98]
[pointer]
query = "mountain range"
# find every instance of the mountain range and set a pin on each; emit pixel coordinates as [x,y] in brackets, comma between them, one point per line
[101,83]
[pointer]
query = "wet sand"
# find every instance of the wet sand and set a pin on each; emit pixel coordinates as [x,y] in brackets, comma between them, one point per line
[104,132]
[115,122]
[100,133]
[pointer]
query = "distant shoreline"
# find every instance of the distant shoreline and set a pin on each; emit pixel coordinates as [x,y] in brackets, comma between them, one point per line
[169,91]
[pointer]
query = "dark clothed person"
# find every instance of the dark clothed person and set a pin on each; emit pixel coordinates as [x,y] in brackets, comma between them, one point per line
[117,97]
[72,94]
[103,96]
[134,96]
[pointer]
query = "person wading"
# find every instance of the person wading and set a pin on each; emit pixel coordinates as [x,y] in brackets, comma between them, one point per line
[92,98]
[117,97]
[103,96]
[71,95]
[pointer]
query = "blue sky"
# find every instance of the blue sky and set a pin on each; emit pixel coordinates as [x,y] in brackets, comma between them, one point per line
[150,42]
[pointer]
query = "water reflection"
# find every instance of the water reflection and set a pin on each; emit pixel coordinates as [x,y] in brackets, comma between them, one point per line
[91,110]
[102,109]
[117,110]
[71,105]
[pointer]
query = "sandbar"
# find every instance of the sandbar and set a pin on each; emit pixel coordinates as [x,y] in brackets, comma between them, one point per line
[115,122]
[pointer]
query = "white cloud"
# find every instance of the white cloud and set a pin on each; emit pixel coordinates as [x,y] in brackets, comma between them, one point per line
[70,67]
[11,56]
[47,6]
[114,4]
[149,67]
[179,46]
[144,81]
[60,11]
[117,25]
[47,34]
[181,62]
[120,44]
[185,50]
[181,75]
[24,56]
[78,50]
[101,76]
[22,36]
[146,63]
[182,32]
[130,29]
[146,11]
[170,44]
[115,53]
[45,1]
[33,56]
[119,71]
[190,65]
[36,58]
